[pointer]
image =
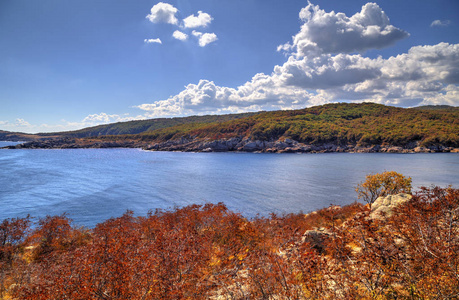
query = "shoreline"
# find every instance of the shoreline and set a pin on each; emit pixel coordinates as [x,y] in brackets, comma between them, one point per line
[243,145]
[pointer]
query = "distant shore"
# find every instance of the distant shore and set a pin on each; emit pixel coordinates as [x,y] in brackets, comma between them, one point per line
[334,127]
[230,145]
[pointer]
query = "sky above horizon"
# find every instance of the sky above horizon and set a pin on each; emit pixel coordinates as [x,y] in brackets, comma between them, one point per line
[66,65]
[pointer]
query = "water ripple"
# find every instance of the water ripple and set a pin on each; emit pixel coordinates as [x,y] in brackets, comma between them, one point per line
[92,185]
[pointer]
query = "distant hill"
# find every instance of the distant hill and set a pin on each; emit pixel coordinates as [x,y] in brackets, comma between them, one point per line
[338,123]
[20,136]
[121,128]
[136,127]
[437,107]
[347,125]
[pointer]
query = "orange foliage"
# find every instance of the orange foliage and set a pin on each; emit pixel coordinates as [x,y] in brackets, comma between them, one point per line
[209,252]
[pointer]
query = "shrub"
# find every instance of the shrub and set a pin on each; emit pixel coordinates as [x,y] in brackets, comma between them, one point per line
[382,184]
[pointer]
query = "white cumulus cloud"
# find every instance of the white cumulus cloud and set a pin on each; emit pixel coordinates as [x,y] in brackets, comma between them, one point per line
[424,75]
[18,124]
[201,20]
[22,123]
[264,92]
[196,33]
[205,38]
[327,71]
[100,118]
[163,13]
[153,41]
[180,35]
[323,69]
[330,32]
[104,118]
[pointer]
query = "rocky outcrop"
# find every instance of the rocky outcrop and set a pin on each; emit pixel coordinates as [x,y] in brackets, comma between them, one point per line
[50,144]
[281,146]
[241,144]
[384,206]
[316,239]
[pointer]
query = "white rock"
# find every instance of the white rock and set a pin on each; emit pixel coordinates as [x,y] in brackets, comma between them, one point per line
[385,205]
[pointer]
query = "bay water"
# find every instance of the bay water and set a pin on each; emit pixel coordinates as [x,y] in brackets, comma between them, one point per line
[92,185]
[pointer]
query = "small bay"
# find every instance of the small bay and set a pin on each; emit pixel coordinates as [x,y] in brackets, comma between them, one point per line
[92,185]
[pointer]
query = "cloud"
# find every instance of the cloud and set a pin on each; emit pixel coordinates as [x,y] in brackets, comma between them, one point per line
[104,118]
[196,33]
[180,35]
[163,13]
[448,96]
[18,124]
[201,20]
[153,41]
[317,75]
[21,125]
[327,71]
[264,92]
[332,33]
[91,120]
[424,75]
[205,38]
[100,118]
[434,63]
[440,23]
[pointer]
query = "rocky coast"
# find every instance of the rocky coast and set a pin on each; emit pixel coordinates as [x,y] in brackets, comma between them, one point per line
[335,127]
[231,145]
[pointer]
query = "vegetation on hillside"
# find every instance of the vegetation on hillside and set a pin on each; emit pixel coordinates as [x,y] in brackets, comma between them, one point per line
[363,124]
[339,123]
[209,252]
[20,136]
[120,128]
[437,107]
[135,127]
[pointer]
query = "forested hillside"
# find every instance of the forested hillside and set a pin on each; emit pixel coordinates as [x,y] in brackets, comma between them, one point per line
[130,127]
[340,123]
[330,126]
[135,127]
[17,136]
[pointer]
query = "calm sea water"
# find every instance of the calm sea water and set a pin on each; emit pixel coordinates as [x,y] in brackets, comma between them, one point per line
[92,185]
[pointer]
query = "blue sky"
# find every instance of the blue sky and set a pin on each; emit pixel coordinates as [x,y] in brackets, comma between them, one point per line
[71,64]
